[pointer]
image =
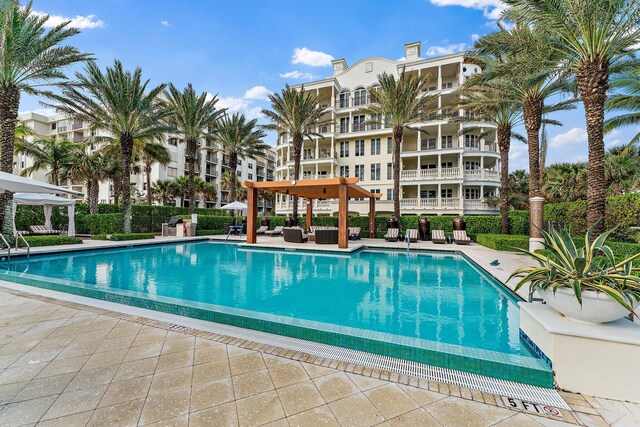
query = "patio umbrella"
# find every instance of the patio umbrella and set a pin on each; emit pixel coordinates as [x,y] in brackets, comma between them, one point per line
[235,206]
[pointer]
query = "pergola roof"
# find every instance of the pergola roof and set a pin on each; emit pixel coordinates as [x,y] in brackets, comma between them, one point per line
[326,188]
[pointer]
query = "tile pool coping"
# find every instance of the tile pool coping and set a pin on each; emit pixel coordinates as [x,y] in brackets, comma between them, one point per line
[522,369]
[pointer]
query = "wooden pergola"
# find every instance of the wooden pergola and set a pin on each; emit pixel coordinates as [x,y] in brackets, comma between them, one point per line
[313,189]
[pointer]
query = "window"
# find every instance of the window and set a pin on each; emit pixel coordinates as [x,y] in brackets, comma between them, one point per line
[358,123]
[344,99]
[308,154]
[250,166]
[375,146]
[428,194]
[472,141]
[239,172]
[173,141]
[53,126]
[389,170]
[376,122]
[446,193]
[359,147]
[471,166]
[344,125]
[375,191]
[447,141]
[359,172]
[250,176]
[389,193]
[428,166]
[429,144]
[344,171]
[472,193]
[239,162]
[447,85]
[360,97]
[375,172]
[344,149]
[172,172]
[446,165]
[389,145]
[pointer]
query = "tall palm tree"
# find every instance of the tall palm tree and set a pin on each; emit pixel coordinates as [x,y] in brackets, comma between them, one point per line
[205,191]
[627,100]
[622,169]
[239,138]
[121,103]
[89,166]
[490,104]
[519,189]
[180,186]
[597,38]
[191,116]
[31,58]
[295,113]
[565,182]
[401,103]
[520,60]
[47,153]
[151,153]
[163,190]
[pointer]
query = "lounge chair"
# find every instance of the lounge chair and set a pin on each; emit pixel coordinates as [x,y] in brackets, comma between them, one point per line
[460,237]
[354,233]
[40,229]
[294,235]
[392,235]
[275,232]
[262,229]
[412,235]
[437,236]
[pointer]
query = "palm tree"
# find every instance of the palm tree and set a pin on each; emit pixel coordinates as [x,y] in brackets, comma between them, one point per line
[295,113]
[565,182]
[180,186]
[622,169]
[191,116]
[402,103]
[47,153]
[519,189]
[597,38]
[239,139]
[489,104]
[163,190]
[31,58]
[205,191]
[119,102]
[88,166]
[151,153]
[627,99]
[520,61]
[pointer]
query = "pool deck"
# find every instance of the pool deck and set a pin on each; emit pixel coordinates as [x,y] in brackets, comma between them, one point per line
[65,363]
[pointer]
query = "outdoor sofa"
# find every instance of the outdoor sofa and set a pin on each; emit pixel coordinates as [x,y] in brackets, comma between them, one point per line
[294,235]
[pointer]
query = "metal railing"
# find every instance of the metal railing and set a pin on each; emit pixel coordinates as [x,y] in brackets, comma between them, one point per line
[7,245]
[21,237]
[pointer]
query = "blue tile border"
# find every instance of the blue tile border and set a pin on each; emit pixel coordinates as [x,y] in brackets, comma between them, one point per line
[528,342]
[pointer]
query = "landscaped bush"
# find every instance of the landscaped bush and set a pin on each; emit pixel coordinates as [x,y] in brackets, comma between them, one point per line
[211,222]
[503,242]
[519,222]
[99,223]
[35,241]
[120,237]
[208,232]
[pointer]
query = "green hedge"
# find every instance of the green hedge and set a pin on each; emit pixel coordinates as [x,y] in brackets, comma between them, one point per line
[211,222]
[35,241]
[119,237]
[208,232]
[503,242]
[99,223]
[519,222]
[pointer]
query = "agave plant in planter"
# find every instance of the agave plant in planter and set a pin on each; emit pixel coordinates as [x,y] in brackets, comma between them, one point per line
[584,283]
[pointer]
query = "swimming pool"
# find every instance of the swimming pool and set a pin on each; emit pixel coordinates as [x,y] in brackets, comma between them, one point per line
[433,308]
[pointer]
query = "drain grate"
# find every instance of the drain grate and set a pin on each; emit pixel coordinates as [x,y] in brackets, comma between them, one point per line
[390,364]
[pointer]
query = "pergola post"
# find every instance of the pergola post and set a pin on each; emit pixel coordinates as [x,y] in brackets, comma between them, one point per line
[252,214]
[309,213]
[343,216]
[372,217]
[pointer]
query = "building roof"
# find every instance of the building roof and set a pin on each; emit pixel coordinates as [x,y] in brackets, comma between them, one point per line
[327,188]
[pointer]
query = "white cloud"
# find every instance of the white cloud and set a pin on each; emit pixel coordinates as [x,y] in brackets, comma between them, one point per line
[573,136]
[165,23]
[297,75]
[491,8]
[313,58]
[475,37]
[446,49]
[613,139]
[78,21]
[257,92]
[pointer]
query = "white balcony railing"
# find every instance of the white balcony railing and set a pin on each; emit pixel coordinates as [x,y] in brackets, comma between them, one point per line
[479,204]
[481,174]
[439,173]
[442,203]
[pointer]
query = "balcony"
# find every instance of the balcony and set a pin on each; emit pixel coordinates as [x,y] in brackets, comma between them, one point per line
[482,174]
[487,147]
[442,203]
[425,174]
[360,127]
[77,124]
[479,204]
[211,158]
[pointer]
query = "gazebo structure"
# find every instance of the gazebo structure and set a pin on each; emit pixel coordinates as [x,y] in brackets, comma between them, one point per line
[330,188]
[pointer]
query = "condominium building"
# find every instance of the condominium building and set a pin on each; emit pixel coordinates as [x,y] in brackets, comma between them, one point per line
[210,165]
[444,170]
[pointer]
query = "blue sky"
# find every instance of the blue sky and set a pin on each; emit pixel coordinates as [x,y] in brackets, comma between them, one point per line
[242,50]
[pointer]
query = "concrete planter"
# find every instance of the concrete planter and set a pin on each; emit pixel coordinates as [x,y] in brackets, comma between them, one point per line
[597,307]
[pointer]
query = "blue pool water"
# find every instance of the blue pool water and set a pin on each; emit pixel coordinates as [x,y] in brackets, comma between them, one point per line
[436,297]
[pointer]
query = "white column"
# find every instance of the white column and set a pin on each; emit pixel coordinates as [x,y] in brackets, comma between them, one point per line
[439,82]
[317,150]
[419,147]
[439,165]
[439,196]
[439,140]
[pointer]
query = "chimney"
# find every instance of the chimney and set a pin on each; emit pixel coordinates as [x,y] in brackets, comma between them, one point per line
[412,51]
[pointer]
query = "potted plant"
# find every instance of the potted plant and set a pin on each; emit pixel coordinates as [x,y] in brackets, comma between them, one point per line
[584,283]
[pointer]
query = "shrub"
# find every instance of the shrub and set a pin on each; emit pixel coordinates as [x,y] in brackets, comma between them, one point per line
[119,237]
[211,222]
[35,241]
[208,232]
[519,222]
[100,237]
[99,223]
[503,242]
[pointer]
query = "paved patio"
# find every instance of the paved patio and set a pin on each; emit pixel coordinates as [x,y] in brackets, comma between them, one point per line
[64,364]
